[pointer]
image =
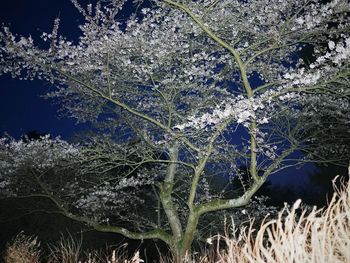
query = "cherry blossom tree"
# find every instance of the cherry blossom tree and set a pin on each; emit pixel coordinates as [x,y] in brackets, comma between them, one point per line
[186,89]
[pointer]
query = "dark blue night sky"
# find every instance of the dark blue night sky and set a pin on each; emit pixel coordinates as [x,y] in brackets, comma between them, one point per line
[21,107]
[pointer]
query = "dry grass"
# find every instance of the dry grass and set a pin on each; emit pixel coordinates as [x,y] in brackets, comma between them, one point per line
[23,249]
[66,250]
[26,249]
[295,236]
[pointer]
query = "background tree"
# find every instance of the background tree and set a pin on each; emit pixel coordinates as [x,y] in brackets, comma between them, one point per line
[206,85]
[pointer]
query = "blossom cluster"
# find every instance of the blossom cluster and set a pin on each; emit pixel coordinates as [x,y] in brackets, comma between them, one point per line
[37,156]
[112,195]
[339,53]
[239,109]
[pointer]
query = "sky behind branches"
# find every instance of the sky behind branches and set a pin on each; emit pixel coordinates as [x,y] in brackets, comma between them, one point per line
[21,107]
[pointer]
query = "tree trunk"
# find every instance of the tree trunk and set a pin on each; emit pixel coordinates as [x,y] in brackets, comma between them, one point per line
[182,249]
